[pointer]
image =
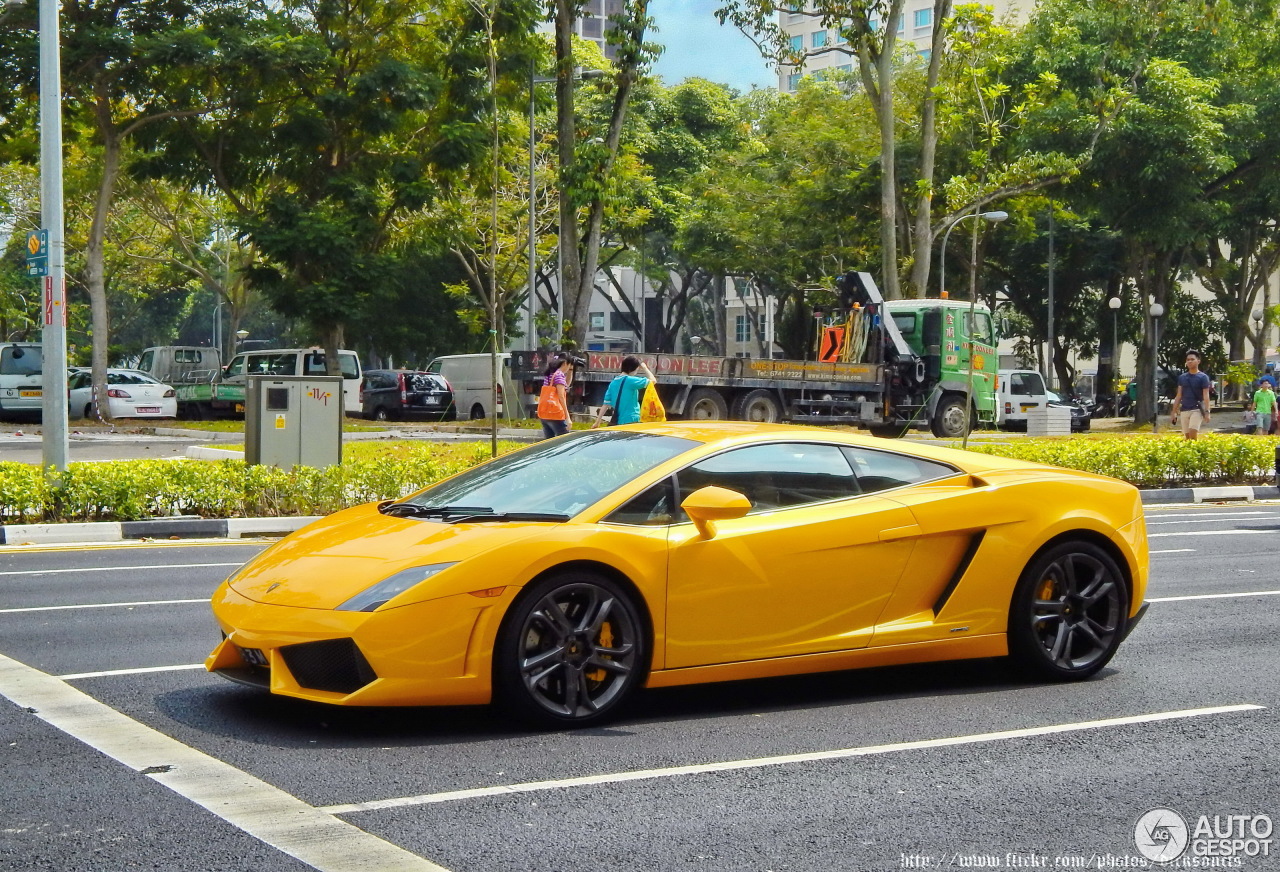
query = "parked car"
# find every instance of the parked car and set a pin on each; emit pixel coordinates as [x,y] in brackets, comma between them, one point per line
[130,393]
[393,394]
[559,579]
[1081,414]
[21,395]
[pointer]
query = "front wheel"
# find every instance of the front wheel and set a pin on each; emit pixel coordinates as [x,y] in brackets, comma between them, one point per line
[1069,612]
[759,406]
[570,651]
[949,418]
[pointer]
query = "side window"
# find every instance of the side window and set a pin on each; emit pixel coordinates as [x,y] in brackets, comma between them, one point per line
[881,470]
[284,364]
[144,362]
[349,365]
[236,366]
[313,364]
[775,476]
[655,507]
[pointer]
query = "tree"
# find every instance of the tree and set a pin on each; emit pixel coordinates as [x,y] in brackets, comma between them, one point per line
[585,167]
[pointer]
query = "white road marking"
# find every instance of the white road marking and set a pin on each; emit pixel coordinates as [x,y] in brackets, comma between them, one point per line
[759,762]
[142,670]
[1222,515]
[1174,551]
[116,568]
[267,813]
[1212,520]
[1268,531]
[103,605]
[1207,596]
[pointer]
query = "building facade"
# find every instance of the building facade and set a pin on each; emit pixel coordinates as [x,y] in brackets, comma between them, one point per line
[807,35]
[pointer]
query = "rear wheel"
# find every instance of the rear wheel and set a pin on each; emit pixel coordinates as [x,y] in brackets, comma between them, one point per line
[706,404]
[570,651]
[1068,613]
[477,412]
[759,406]
[381,414]
[949,418]
[889,431]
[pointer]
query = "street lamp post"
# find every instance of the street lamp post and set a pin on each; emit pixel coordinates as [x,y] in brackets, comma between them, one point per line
[1156,311]
[1260,343]
[994,218]
[1114,305]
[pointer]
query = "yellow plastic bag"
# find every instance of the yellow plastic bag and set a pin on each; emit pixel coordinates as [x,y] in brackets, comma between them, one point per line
[651,408]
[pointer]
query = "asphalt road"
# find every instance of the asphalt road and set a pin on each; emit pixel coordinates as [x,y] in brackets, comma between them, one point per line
[155,764]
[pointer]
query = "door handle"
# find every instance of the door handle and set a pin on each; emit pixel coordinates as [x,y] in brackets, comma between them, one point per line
[899,532]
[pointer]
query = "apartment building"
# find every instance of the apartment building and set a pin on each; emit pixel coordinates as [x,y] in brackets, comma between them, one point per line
[916,26]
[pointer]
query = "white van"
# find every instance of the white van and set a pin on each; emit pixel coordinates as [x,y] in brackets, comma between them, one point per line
[1021,390]
[475,395]
[298,361]
[20,380]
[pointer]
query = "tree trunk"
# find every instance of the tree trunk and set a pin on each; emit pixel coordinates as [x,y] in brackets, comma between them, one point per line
[95,255]
[922,237]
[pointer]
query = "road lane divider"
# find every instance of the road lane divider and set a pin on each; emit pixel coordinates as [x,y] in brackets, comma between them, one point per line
[780,760]
[102,606]
[140,670]
[117,568]
[266,812]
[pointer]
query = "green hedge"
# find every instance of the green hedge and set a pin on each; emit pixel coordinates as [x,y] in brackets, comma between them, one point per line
[1154,461]
[129,490]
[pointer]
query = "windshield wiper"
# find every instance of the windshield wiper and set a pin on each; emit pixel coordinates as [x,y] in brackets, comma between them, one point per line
[512,516]
[457,514]
[413,510]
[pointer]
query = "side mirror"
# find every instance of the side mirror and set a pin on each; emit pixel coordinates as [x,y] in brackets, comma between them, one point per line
[709,504]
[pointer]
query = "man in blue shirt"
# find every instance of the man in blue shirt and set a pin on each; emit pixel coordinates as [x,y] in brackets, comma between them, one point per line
[1191,403]
[625,391]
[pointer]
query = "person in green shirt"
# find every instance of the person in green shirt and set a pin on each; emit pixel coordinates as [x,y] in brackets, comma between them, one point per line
[1264,407]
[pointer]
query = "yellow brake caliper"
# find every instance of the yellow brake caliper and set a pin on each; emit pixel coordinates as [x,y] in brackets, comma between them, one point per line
[606,641]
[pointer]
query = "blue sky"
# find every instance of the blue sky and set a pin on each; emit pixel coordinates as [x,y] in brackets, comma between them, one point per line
[697,45]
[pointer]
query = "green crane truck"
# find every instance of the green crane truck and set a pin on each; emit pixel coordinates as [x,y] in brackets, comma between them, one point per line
[888,367]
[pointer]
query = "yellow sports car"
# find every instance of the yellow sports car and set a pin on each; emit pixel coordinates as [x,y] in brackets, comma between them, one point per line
[559,578]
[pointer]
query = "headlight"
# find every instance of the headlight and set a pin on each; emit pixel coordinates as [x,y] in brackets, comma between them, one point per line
[370,598]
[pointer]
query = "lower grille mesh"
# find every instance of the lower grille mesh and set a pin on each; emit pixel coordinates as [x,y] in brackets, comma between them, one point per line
[334,665]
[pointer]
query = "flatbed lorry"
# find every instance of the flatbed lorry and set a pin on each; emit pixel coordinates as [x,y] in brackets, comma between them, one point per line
[888,367]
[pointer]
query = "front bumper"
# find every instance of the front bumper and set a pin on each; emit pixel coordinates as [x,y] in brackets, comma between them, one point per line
[438,652]
[1133,622]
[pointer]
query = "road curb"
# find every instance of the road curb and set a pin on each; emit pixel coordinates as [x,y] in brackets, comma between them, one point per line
[1158,496]
[159,528]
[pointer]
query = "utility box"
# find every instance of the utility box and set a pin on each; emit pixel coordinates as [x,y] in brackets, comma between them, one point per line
[293,420]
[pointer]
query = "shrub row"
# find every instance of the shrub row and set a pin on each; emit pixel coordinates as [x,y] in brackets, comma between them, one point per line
[1154,461]
[129,490]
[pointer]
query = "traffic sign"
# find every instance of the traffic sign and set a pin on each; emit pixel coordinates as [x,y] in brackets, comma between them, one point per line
[38,253]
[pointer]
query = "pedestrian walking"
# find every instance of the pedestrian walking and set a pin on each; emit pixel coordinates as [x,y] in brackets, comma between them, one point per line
[553,401]
[1263,405]
[1191,403]
[622,398]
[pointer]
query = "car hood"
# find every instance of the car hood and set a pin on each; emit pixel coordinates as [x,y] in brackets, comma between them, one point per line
[326,563]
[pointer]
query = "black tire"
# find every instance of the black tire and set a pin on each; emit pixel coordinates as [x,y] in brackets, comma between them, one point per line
[705,404]
[88,411]
[381,414]
[948,418]
[1069,612]
[889,431]
[760,406]
[570,651]
[477,412]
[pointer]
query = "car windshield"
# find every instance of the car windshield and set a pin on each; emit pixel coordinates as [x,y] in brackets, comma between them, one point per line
[560,476]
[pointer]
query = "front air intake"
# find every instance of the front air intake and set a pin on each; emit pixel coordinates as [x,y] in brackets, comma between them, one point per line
[334,665]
